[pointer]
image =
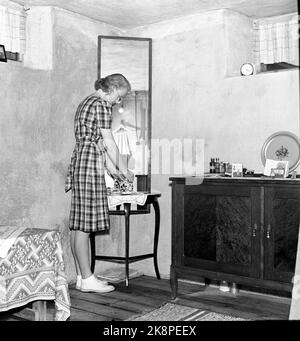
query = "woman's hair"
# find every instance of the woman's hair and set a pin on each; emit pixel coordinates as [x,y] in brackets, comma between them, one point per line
[111,82]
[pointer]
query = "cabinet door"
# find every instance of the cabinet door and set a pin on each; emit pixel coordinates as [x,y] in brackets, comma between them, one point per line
[221,228]
[282,217]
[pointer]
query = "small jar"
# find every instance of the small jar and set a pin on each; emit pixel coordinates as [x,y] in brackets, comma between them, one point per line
[222,167]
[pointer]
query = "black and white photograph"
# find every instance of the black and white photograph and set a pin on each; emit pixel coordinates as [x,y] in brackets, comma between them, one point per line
[150,164]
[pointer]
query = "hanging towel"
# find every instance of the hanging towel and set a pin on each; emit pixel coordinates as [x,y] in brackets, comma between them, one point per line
[122,141]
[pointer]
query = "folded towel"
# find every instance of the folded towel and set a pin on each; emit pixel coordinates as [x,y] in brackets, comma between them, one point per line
[8,235]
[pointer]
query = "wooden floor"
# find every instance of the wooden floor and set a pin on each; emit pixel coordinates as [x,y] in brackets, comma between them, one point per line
[147,293]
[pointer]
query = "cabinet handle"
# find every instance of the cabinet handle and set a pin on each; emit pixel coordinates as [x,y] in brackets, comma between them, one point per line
[254,230]
[268,231]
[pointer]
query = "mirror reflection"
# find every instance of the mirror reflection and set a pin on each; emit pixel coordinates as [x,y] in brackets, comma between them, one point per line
[131,124]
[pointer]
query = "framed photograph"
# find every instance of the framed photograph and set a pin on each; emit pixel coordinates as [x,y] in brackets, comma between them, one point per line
[3,57]
[237,170]
[276,168]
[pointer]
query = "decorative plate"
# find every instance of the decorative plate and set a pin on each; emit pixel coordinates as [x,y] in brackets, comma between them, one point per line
[282,145]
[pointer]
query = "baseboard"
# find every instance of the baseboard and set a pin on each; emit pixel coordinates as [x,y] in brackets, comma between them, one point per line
[245,289]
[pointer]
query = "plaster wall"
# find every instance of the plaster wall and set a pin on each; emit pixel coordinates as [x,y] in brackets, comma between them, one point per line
[239,42]
[24,140]
[39,38]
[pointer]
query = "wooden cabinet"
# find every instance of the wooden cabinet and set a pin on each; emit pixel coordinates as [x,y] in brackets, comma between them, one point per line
[239,230]
[282,216]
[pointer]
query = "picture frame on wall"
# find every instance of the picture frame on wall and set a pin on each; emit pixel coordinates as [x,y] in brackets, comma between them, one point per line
[3,57]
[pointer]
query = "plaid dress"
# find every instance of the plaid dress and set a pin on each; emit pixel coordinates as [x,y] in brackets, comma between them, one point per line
[89,206]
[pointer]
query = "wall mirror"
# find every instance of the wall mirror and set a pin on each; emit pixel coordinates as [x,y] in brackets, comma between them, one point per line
[131,127]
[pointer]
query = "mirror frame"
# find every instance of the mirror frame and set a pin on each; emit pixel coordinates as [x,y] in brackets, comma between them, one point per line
[143,181]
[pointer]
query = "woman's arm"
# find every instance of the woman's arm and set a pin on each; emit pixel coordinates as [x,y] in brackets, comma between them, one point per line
[110,167]
[112,170]
[116,163]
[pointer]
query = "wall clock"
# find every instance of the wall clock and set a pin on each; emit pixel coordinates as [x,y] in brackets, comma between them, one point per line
[247,69]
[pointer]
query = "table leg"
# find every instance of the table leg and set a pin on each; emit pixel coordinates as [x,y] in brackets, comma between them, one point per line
[173,282]
[127,217]
[40,310]
[156,235]
[93,251]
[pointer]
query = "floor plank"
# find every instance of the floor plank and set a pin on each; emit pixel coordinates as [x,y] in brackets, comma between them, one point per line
[147,293]
[112,301]
[127,295]
[82,315]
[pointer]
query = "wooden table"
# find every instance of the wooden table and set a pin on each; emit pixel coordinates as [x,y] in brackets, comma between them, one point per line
[152,199]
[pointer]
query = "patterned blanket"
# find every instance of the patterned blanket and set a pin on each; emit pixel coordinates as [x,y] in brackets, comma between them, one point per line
[34,270]
[8,235]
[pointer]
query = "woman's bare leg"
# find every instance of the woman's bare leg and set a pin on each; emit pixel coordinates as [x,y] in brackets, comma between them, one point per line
[74,253]
[87,281]
[81,248]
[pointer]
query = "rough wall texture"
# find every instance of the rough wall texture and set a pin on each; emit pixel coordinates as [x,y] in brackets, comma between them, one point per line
[25,138]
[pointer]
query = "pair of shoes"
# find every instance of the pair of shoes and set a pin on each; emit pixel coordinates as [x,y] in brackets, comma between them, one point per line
[79,279]
[92,284]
